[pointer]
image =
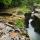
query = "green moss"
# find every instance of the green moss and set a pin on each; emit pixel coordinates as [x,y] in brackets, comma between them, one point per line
[20,23]
[19,13]
[7,2]
[25,9]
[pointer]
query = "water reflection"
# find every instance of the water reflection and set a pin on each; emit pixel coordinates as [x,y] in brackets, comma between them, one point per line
[33,35]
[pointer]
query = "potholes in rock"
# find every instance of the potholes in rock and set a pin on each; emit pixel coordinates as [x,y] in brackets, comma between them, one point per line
[10,30]
[11,23]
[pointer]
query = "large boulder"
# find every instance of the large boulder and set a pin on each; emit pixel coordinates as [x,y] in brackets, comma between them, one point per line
[27,17]
[36,24]
[10,32]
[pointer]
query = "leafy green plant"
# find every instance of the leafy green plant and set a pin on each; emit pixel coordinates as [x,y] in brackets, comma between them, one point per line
[20,23]
[7,2]
[25,9]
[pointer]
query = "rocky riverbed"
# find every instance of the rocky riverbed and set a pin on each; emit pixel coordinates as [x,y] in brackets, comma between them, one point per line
[10,32]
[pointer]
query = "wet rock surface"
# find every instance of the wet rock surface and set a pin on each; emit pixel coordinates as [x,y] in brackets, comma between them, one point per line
[36,19]
[10,32]
[36,24]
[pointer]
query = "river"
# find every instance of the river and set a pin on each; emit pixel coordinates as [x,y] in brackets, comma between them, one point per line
[33,35]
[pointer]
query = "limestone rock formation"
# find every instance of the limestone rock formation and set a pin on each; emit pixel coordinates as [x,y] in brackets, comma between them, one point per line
[9,32]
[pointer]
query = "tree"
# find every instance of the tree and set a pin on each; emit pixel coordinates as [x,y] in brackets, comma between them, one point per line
[37,1]
[16,2]
[7,2]
[30,4]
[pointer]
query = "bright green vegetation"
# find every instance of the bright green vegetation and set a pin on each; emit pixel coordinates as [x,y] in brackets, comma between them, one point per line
[25,9]
[20,23]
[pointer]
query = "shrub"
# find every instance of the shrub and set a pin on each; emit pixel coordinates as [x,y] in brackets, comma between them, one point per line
[20,23]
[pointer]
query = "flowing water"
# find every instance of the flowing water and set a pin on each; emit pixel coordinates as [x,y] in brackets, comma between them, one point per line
[33,35]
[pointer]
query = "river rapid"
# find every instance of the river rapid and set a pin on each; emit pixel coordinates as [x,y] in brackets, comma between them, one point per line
[33,35]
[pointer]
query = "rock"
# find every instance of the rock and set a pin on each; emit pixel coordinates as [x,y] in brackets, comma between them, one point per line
[12,26]
[13,34]
[1,33]
[11,23]
[36,14]
[9,33]
[38,10]
[27,17]
[23,38]
[7,29]
[36,24]
[2,25]
[5,37]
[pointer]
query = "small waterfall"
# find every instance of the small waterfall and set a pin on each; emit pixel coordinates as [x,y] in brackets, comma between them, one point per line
[33,35]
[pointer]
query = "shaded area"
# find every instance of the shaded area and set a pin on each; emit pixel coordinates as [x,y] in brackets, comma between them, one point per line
[1,5]
[5,14]
[27,17]
[36,24]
